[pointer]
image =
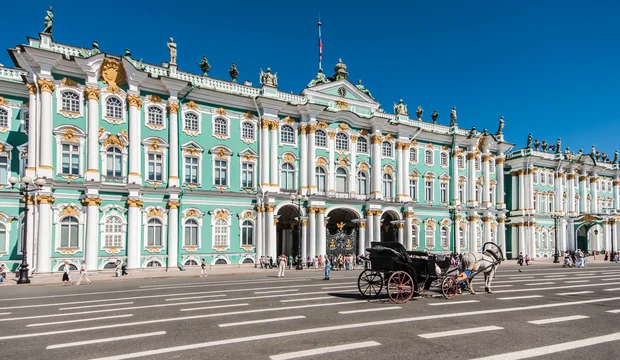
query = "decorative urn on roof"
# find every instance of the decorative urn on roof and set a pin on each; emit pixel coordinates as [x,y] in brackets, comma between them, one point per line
[340,71]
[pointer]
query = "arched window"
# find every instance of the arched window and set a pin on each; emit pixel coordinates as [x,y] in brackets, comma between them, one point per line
[552,239]
[191,233]
[287,134]
[478,163]
[443,159]
[413,155]
[155,116]
[153,234]
[461,238]
[113,108]
[287,176]
[414,236]
[4,169]
[535,177]
[70,102]
[321,179]
[69,232]
[444,237]
[342,141]
[386,149]
[220,126]
[114,162]
[544,240]
[341,181]
[70,159]
[362,145]
[550,209]
[461,161]
[428,157]
[113,232]
[3,247]
[220,173]
[536,240]
[478,237]
[491,166]
[536,204]
[492,239]
[220,233]
[247,233]
[543,178]
[428,190]
[388,185]
[247,130]
[413,189]
[362,183]
[320,138]
[550,179]
[191,122]
[429,237]
[153,264]
[4,118]
[462,192]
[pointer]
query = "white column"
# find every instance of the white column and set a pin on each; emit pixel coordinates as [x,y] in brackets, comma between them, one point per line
[615,236]
[501,234]
[530,189]
[311,161]
[353,165]
[92,153]
[401,233]
[331,172]
[304,162]
[173,140]
[471,180]
[45,150]
[134,227]
[273,130]
[376,170]
[561,231]
[486,228]
[454,177]
[304,240]
[486,186]
[264,154]
[258,234]
[173,234]
[312,232]
[473,229]
[44,244]
[515,190]
[597,244]
[361,238]
[514,242]
[377,226]
[135,104]
[404,171]
[522,204]
[594,194]
[92,232]
[408,233]
[583,193]
[399,170]
[558,191]
[270,232]
[320,228]
[616,184]
[31,229]
[570,193]
[521,248]
[499,170]
[32,143]
[370,223]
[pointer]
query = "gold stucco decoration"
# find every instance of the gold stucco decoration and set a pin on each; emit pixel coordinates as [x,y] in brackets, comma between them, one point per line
[192,105]
[154,212]
[288,120]
[112,72]
[321,161]
[46,85]
[342,104]
[155,146]
[69,135]
[321,125]
[113,140]
[69,82]
[221,111]
[288,158]
[154,98]
[221,214]
[69,211]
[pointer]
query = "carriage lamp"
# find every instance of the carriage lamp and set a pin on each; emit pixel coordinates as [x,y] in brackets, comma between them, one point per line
[297,199]
[26,186]
[556,254]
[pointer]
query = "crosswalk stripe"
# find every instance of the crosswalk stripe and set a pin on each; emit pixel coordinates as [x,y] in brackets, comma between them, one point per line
[262,321]
[575,293]
[454,302]
[538,284]
[325,350]
[104,340]
[80,320]
[94,306]
[369,310]
[520,297]
[556,320]
[460,332]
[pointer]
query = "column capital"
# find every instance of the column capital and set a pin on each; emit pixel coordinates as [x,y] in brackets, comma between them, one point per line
[500,161]
[134,203]
[362,225]
[487,219]
[173,108]
[369,213]
[45,199]
[29,199]
[408,214]
[583,178]
[92,94]
[303,129]
[273,125]
[91,201]
[593,180]
[400,225]
[173,204]
[258,208]
[501,220]
[320,210]
[270,208]
[46,85]
[376,139]
[32,89]
[486,157]
[134,101]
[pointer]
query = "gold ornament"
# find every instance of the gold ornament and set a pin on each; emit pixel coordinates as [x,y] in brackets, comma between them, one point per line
[134,101]
[112,72]
[46,85]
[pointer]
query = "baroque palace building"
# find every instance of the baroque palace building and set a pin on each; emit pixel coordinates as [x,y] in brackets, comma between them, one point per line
[163,168]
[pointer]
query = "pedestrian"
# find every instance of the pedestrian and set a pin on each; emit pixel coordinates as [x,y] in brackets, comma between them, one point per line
[117,269]
[203,268]
[520,259]
[3,271]
[328,267]
[83,274]
[271,262]
[66,279]
[262,262]
[281,265]
[124,268]
[315,262]
[290,261]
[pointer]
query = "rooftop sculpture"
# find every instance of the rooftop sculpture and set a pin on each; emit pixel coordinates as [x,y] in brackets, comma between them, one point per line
[268,79]
[48,22]
[204,66]
[400,109]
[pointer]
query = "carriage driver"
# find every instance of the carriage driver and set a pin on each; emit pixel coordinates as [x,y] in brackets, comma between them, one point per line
[462,278]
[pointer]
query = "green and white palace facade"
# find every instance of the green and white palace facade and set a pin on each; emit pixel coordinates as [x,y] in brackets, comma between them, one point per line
[162,168]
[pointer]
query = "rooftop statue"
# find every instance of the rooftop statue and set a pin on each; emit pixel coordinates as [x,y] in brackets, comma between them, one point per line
[434,116]
[616,157]
[472,132]
[558,146]
[340,71]
[172,47]
[529,141]
[536,144]
[268,79]
[128,54]
[319,79]
[95,50]
[204,66]
[453,116]
[593,150]
[400,109]
[544,145]
[233,72]
[48,22]
[485,132]
[580,152]
[419,112]
[362,88]
[500,130]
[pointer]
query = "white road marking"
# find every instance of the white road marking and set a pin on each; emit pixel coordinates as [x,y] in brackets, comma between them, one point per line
[611,273]
[576,281]
[270,309]
[460,332]
[499,286]
[521,277]
[369,310]
[552,349]
[93,306]
[80,320]
[616,289]
[6,313]
[609,279]
[272,291]
[309,299]
[557,320]
[262,321]
[613,311]
[104,340]
[325,350]
[556,287]
[176,287]
[240,290]
[529,279]
[520,297]
[542,283]
[582,274]
[555,276]
[362,325]
[263,296]
[339,287]
[575,293]
[454,302]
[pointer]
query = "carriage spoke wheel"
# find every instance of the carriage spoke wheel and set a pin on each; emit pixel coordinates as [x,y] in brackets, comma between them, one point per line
[400,287]
[370,283]
[449,287]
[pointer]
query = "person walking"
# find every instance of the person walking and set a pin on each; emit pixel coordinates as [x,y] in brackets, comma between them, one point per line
[124,268]
[290,261]
[3,271]
[66,279]
[83,274]
[328,267]
[281,265]
[117,269]
[203,268]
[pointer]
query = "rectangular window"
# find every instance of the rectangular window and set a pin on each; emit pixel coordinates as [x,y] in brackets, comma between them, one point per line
[462,193]
[247,175]
[68,236]
[221,172]
[428,191]
[155,165]
[3,240]
[70,159]
[191,170]
[443,194]
[154,236]
[413,189]
[4,169]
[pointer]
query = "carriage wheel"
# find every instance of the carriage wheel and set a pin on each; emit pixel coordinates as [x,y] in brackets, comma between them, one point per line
[400,287]
[370,283]
[449,287]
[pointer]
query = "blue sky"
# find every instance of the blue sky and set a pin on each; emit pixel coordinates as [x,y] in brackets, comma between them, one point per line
[549,67]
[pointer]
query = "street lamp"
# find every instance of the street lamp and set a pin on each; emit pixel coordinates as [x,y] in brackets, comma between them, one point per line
[556,255]
[25,188]
[297,199]
[454,209]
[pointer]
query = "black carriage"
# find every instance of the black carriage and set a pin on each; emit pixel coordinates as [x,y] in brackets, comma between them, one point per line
[405,273]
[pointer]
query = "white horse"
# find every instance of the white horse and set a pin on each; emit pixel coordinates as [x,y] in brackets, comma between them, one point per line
[479,263]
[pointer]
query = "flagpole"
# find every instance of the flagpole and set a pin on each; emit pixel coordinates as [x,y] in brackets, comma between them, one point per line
[320,45]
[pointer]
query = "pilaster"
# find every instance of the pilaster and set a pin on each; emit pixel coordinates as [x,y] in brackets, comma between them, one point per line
[134,227]
[92,162]
[92,231]
[173,140]
[44,241]
[376,170]
[135,104]
[173,233]
[32,138]
[303,134]
[45,151]
[273,130]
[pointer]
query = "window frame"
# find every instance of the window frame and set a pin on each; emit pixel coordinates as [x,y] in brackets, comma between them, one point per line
[247,171]
[78,137]
[429,229]
[226,227]
[360,191]
[8,114]
[59,238]
[113,108]
[288,137]
[122,154]
[322,137]
[252,126]
[198,167]
[345,176]
[287,171]
[387,180]
[159,109]
[429,160]
[217,126]
[147,239]
[344,144]
[196,232]
[59,102]
[444,161]
[413,189]
[187,114]
[320,174]
[413,155]
[363,141]
[244,229]
[105,233]
[387,149]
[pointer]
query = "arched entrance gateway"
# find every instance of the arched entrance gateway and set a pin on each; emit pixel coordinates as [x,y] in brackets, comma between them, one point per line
[589,237]
[287,230]
[389,229]
[341,232]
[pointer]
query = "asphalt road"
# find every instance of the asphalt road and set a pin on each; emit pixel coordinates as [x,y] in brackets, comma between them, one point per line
[265,317]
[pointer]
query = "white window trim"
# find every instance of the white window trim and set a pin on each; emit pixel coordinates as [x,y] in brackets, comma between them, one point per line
[103,149]
[7,227]
[432,162]
[146,107]
[430,177]
[316,175]
[9,114]
[392,181]
[184,124]
[349,143]
[79,138]
[417,155]
[197,215]
[254,126]
[415,197]
[254,175]
[220,136]
[346,180]
[477,163]
[367,172]
[367,146]
[79,91]
[491,166]
[295,172]
[224,214]
[458,162]
[417,227]
[148,214]
[220,153]
[112,210]
[8,151]
[244,217]
[393,150]
[192,149]
[295,141]
[426,244]
[326,147]
[447,246]
[59,216]
[122,96]
[147,145]
[444,153]
[22,119]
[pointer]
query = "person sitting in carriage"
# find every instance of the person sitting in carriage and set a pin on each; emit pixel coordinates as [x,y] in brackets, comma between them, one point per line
[463,278]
